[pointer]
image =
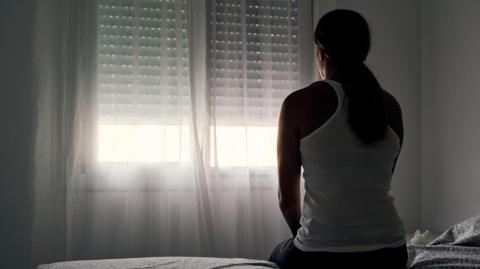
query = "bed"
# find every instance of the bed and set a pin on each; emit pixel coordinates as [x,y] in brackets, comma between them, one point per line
[458,247]
[163,263]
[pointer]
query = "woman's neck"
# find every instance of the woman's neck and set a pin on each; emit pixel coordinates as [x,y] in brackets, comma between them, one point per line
[332,74]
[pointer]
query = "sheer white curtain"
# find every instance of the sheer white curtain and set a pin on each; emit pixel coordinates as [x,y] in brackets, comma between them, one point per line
[157,125]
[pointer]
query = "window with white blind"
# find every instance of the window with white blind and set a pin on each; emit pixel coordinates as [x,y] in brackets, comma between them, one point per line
[254,66]
[143,79]
[254,58]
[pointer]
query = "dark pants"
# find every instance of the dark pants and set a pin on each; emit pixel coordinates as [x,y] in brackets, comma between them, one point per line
[286,255]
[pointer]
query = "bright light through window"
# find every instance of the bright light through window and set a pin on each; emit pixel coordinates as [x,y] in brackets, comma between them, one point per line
[237,146]
[230,146]
[143,143]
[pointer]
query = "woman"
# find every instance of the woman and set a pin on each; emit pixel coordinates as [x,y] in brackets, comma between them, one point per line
[346,132]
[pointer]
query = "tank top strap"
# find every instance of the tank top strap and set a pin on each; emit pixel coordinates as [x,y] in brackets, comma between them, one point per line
[337,86]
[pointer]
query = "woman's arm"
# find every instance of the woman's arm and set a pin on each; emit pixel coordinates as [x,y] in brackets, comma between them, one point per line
[288,157]
[394,119]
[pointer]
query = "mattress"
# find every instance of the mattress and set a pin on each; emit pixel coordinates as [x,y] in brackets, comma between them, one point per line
[162,263]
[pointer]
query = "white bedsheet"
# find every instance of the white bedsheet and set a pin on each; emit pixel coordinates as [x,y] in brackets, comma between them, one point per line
[162,263]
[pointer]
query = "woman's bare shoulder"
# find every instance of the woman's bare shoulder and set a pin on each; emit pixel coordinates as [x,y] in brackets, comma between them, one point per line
[390,99]
[301,96]
[307,108]
[392,106]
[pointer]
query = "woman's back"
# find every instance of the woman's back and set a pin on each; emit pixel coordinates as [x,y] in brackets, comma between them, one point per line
[347,206]
[316,104]
[347,137]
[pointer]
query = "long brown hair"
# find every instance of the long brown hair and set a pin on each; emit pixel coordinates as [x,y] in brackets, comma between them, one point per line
[343,37]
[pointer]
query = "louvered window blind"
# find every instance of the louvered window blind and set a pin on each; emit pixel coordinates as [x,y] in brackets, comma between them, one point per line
[144,93]
[254,58]
[143,81]
[143,75]
[254,65]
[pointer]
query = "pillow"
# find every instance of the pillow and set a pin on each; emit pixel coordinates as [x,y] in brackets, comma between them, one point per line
[420,238]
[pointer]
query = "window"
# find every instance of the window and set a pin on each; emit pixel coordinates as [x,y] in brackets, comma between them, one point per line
[144,94]
[143,81]
[254,66]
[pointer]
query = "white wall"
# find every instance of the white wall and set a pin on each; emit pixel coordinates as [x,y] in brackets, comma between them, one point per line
[395,60]
[16,131]
[450,112]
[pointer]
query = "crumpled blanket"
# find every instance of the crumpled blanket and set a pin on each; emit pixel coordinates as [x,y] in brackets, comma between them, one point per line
[458,247]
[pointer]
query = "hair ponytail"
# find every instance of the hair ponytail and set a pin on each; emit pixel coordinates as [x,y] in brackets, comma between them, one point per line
[344,38]
[366,113]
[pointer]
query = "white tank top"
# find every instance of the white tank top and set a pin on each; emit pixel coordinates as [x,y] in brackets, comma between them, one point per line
[347,206]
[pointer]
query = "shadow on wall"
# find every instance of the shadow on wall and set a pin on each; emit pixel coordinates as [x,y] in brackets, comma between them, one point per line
[17,116]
